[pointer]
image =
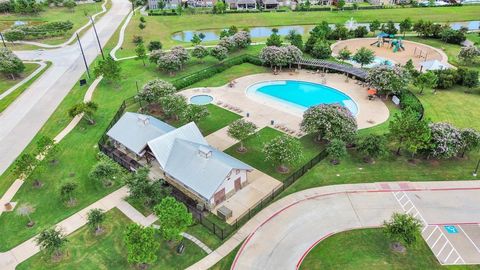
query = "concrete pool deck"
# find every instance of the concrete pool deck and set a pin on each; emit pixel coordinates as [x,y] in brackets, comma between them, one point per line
[412,50]
[263,110]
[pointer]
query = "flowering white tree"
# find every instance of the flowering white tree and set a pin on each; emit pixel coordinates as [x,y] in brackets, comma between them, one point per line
[155,89]
[219,52]
[446,140]
[155,55]
[469,54]
[388,80]
[242,39]
[273,56]
[10,64]
[199,52]
[174,106]
[181,53]
[470,140]
[240,130]
[170,63]
[330,121]
[293,54]
[281,151]
[228,43]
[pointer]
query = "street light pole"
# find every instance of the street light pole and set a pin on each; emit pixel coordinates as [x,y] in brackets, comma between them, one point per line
[96,35]
[83,55]
[476,168]
[3,40]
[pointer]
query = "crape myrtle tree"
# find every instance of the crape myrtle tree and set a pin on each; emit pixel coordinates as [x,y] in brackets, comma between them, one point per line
[181,53]
[240,130]
[195,113]
[242,39]
[109,69]
[155,56]
[336,150]
[87,108]
[25,210]
[10,64]
[170,63]
[200,52]
[174,218]
[282,151]
[388,80]
[364,56]
[173,106]
[293,54]
[142,247]
[329,121]
[445,142]
[408,132]
[273,56]
[219,52]
[154,90]
[228,43]
[470,140]
[52,241]
[469,54]
[372,146]
[403,229]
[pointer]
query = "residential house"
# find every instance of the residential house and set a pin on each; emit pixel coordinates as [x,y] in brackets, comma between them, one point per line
[169,4]
[241,4]
[270,4]
[182,157]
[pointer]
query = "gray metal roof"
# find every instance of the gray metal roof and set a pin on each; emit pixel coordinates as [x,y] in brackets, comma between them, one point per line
[181,154]
[134,130]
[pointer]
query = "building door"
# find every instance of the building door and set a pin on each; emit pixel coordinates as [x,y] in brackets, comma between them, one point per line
[219,196]
[238,184]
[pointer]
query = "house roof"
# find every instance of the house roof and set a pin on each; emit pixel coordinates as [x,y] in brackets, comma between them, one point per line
[433,65]
[134,130]
[270,2]
[246,2]
[185,155]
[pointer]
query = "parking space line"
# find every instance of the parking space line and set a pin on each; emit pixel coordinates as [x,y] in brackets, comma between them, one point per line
[444,245]
[451,251]
[431,233]
[436,241]
[458,258]
[470,239]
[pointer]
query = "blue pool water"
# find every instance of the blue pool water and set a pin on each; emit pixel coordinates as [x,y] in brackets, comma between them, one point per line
[303,94]
[376,62]
[201,99]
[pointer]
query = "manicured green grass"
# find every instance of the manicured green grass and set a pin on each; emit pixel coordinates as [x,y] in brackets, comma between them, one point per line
[230,74]
[226,262]
[6,81]
[204,235]
[172,24]
[256,158]
[369,249]
[6,101]
[53,14]
[108,251]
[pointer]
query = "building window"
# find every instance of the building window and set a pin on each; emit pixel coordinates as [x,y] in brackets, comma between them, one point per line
[237,171]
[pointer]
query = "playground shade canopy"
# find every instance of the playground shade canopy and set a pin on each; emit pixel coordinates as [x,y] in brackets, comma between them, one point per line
[432,65]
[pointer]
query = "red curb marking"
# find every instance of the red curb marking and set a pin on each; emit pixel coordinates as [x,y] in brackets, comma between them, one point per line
[333,193]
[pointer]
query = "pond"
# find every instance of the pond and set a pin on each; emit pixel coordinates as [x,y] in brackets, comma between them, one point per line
[263,32]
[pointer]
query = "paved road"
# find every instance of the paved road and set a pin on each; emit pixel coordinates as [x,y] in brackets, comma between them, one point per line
[23,118]
[283,240]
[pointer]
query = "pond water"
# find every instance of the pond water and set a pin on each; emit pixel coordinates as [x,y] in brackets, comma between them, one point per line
[263,32]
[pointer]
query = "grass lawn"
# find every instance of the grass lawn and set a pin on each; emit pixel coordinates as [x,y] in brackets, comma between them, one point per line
[6,82]
[162,27]
[226,262]
[369,249]
[256,158]
[6,101]
[53,14]
[230,74]
[108,251]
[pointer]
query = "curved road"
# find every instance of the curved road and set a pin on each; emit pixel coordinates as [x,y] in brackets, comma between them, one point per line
[21,121]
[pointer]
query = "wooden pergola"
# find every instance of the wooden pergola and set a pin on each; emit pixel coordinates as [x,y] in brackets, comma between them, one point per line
[359,73]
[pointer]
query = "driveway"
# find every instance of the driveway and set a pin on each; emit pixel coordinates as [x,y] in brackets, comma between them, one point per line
[21,121]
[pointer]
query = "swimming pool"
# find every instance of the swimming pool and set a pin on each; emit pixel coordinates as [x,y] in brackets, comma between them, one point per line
[302,95]
[376,62]
[201,99]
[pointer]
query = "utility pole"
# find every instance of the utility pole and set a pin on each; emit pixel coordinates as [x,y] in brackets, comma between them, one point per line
[3,40]
[96,35]
[476,168]
[83,55]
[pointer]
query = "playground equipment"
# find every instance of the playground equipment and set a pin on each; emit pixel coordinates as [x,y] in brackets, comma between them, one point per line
[397,45]
[384,38]
[420,53]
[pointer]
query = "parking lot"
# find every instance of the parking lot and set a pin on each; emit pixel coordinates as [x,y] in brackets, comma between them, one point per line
[453,235]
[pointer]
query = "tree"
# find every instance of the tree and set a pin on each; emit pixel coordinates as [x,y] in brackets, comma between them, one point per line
[109,69]
[105,170]
[364,56]
[70,4]
[446,78]
[181,53]
[169,62]
[470,140]
[240,130]
[406,130]
[467,77]
[195,113]
[406,25]
[199,52]
[173,106]
[321,49]
[273,56]
[360,32]
[14,34]
[95,218]
[141,52]
[341,32]
[344,54]
[446,140]
[25,210]
[388,80]
[390,28]
[141,245]
[10,64]
[144,190]
[154,90]
[374,26]
[336,150]
[403,228]
[340,4]
[296,40]
[24,165]
[154,45]
[173,217]
[219,8]
[274,40]
[196,39]
[282,151]
[67,191]
[330,121]
[322,31]
[241,39]
[469,54]
[292,54]
[426,80]
[372,146]
[155,56]
[219,52]
[410,69]
[85,108]
[52,241]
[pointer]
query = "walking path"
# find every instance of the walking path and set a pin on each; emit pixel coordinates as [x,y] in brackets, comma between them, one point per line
[280,235]
[121,36]
[71,39]
[42,66]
